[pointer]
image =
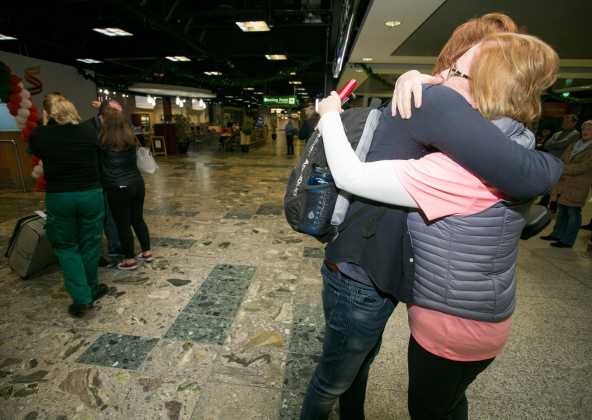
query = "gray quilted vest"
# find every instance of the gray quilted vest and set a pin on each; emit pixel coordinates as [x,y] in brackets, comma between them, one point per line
[466,266]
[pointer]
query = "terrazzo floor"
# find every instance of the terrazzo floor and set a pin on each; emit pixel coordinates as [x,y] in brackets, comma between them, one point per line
[227,322]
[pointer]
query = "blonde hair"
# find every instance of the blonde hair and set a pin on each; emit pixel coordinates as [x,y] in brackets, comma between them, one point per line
[470,33]
[509,73]
[60,109]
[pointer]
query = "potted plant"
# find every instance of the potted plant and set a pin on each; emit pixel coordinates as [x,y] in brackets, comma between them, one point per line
[183,132]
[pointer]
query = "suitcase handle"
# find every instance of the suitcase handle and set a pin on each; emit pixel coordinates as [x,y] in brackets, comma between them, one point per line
[15,232]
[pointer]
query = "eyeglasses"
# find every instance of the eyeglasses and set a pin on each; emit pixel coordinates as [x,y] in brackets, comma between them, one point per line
[454,72]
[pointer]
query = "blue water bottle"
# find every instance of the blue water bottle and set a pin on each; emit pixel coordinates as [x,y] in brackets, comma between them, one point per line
[320,202]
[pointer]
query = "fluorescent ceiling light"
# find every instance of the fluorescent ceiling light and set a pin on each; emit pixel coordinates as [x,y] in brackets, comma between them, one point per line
[6,38]
[253,26]
[295,82]
[178,58]
[258,93]
[276,56]
[249,88]
[88,60]
[213,73]
[112,32]
[392,23]
[367,59]
[292,73]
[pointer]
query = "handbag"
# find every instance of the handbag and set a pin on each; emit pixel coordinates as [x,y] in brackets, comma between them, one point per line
[145,161]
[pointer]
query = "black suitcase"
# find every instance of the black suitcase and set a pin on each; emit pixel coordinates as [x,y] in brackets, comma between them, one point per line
[29,250]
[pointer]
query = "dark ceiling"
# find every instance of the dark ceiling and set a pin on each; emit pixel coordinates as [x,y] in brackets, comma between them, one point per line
[564,24]
[305,30]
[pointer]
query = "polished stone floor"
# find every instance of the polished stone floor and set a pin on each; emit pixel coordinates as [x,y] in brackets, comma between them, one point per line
[227,324]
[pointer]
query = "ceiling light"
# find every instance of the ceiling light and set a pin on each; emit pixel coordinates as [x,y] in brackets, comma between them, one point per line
[249,88]
[171,90]
[392,23]
[112,32]
[276,56]
[213,73]
[258,93]
[253,26]
[367,59]
[6,38]
[292,73]
[295,82]
[178,58]
[88,60]
[300,88]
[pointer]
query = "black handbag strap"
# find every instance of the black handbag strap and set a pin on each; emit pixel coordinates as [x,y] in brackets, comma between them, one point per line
[17,228]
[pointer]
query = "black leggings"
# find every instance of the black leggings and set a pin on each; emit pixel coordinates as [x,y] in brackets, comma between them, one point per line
[437,386]
[127,209]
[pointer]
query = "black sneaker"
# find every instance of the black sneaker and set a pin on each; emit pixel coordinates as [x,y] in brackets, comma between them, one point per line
[549,238]
[101,291]
[78,310]
[561,245]
[103,262]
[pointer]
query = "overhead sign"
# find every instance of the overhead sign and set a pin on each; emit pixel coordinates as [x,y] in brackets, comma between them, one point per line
[280,100]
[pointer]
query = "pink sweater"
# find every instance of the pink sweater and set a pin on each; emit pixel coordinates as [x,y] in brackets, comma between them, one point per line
[442,188]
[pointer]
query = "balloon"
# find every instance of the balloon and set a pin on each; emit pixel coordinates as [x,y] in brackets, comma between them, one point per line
[24,113]
[20,119]
[15,98]
[26,103]
[25,94]
[14,80]
[31,124]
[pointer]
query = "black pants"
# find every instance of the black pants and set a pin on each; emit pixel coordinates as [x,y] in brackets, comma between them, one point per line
[127,209]
[437,386]
[290,144]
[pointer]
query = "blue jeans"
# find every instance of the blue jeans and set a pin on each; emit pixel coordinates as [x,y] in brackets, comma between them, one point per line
[355,317]
[113,244]
[567,224]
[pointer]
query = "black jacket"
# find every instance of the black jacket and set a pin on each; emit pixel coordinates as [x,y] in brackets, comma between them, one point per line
[119,168]
[69,155]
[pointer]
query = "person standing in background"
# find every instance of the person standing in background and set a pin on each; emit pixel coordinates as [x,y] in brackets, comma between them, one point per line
[557,144]
[245,133]
[290,130]
[124,186]
[572,190]
[73,199]
[564,138]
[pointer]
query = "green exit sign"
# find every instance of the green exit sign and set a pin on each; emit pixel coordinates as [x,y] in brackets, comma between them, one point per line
[280,100]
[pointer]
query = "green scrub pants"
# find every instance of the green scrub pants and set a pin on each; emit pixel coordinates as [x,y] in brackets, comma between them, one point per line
[74,228]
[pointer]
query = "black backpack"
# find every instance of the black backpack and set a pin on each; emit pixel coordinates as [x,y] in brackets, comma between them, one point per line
[359,124]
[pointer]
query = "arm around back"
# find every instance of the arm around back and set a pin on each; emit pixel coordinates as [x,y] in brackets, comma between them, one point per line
[447,122]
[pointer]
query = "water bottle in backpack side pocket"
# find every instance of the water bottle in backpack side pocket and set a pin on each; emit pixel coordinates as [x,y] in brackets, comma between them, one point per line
[321,194]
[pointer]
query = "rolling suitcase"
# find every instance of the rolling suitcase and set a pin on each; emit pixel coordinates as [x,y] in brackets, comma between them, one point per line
[29,250]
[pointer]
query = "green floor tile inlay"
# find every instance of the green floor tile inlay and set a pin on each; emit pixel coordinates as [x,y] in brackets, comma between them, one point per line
[118,351]
[172,243]
[209,314]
